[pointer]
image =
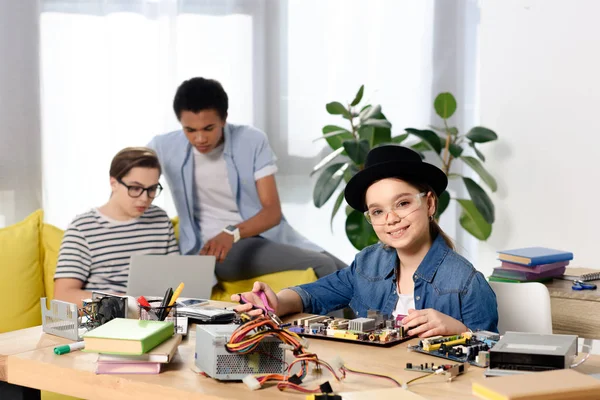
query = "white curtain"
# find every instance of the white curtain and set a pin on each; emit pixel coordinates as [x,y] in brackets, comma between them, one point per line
[20,149]
[110,70]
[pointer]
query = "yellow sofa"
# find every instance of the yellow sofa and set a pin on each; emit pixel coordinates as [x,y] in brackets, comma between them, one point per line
[28,256]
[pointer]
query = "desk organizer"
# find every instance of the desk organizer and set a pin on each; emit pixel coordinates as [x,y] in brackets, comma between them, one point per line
[155,312]
[64,319]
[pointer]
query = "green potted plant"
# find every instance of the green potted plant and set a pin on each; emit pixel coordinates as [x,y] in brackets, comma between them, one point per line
[368,127]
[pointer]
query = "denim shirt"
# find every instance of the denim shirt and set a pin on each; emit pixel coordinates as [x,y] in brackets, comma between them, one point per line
[246,151]
[444,281]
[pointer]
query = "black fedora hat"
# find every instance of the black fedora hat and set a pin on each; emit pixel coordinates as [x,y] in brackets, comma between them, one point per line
[392,161]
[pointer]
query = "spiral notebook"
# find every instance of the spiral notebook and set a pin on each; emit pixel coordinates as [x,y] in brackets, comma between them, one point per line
[581,274]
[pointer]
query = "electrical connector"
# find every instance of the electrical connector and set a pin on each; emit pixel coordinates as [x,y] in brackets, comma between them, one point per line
[304,342]
[326,387]
[251,382]
[337,363]
[286,346]
[324,396]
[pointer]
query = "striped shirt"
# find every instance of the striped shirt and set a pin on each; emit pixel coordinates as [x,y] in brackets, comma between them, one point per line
[96,249]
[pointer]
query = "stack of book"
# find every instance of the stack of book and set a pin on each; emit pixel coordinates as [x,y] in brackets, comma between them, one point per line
[129,346]
[531,264]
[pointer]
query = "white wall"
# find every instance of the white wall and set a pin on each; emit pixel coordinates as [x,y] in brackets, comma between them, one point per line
[20,150]
[540,91]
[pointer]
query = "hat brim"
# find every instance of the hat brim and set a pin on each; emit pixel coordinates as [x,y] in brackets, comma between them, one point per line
[411,171]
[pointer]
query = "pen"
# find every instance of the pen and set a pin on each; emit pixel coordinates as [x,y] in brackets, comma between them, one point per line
[163,305]
[67,348]
[176,294]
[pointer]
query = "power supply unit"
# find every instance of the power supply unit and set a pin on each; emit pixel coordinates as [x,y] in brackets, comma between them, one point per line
[213,359]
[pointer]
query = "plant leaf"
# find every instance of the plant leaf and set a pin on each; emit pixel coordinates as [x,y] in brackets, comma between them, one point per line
[350,172]
[335,142]
[375,135]
[481,200]
[379,123]
[337,108]
[445,105]
[428,136]
[453,130]
[332,134]
[357,150]
[472,221]
[369,112]
[358,96]
[359,231]
[479,154]
[336,207]
[481,171]
[399,138]
[328,181]
[326,160]
[479,134]
[349,210]
[443,202]
[455,150]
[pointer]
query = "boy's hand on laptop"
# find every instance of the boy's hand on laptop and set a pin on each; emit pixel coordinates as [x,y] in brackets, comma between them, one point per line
[253,298]
[218,246]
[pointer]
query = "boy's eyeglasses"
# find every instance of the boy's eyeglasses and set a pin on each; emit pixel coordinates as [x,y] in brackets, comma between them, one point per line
[136,191]
[402,207]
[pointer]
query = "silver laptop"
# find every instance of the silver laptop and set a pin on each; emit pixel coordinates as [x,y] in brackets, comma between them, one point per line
[153,275]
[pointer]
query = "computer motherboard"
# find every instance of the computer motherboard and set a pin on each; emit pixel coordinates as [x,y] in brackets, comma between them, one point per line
[375,329]
[468,347]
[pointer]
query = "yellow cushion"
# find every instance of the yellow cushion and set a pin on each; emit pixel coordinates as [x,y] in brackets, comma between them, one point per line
[277,281]
[21,281]
[51,240]
[56,396]
[175,222]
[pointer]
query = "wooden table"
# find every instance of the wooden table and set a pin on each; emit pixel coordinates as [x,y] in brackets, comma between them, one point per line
[574,312]
[31,362]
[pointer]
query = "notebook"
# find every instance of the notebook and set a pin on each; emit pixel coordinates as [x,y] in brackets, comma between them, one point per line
[537,268]
[548,385]
[526,276]
[509,280]
[127,368]
[581,274]
[163,353]
[534,256]
[127,336]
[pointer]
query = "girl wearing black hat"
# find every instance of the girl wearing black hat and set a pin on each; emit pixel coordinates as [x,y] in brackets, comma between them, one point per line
[414,271]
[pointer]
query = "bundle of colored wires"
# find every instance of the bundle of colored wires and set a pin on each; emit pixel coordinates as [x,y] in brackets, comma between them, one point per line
[247,337]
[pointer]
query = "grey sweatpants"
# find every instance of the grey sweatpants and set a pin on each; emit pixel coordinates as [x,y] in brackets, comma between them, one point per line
[257,256]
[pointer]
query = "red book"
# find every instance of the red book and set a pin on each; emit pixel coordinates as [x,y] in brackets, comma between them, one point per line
[536,269]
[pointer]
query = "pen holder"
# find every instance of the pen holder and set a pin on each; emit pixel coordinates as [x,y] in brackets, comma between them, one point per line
[158,313]
[155,311]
